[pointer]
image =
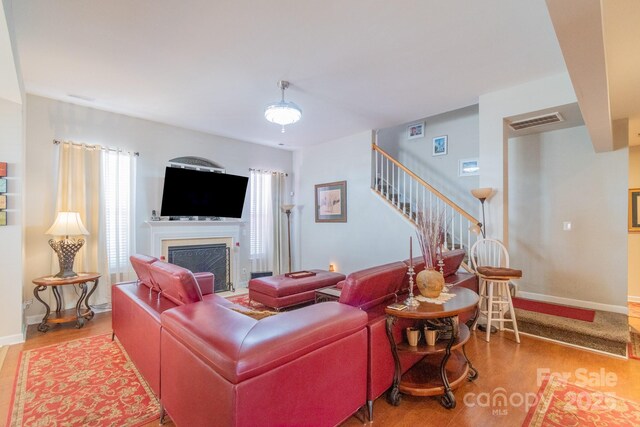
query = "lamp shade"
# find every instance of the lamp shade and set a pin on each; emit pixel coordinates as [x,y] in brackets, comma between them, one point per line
[482,193]
[67,224]
[283,113]
[286,208]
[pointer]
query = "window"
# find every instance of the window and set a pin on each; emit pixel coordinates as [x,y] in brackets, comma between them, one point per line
[118,183]
[261,219]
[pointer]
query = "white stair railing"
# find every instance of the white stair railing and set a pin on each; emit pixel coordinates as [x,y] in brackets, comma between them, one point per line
[410,194]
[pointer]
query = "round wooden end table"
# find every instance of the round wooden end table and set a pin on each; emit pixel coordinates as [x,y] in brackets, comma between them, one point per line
[444,366]
[60,315]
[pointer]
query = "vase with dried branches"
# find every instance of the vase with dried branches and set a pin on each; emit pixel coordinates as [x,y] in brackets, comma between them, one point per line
[431,230]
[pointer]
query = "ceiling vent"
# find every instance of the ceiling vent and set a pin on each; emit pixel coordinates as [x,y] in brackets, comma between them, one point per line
[536,121]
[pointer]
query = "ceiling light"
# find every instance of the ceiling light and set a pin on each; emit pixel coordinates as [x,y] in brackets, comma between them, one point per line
[283,112]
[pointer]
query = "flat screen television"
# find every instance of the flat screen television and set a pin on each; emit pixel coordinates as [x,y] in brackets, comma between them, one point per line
[189,192]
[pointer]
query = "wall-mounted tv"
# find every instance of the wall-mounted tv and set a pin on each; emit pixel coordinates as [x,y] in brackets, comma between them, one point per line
[189,192]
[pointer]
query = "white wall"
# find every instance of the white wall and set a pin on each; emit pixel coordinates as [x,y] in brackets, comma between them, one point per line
[461,128]
[556,177]
[374,234]
[48,119]
[494,108]
[11,152]
[11,246]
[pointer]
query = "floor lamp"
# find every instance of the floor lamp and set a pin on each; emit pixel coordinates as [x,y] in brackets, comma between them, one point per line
[287,210]
[483,194]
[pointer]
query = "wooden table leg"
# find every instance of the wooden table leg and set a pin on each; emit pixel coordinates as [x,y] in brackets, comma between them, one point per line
[448,400]
[42,327]
[56,294]
[80,318]
[86,300]
[394,393]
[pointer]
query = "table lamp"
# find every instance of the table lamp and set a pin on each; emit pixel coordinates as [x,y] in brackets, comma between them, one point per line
[67,224]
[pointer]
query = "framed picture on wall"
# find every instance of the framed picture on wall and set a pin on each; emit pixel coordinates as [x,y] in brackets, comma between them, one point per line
[468,167]
[331,202]
[3,201]
[440,146]
[3,168]
[634,210]
[3,218]
[3,185]
[415,130]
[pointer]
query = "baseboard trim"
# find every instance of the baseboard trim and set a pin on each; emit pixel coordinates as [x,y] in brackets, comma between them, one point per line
[566,344]
[574,302]
[12,339]
[632,298]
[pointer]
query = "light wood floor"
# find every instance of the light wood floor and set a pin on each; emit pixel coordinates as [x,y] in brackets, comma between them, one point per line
[501,364]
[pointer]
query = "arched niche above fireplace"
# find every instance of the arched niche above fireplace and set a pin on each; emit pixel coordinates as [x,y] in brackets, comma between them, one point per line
[198,163]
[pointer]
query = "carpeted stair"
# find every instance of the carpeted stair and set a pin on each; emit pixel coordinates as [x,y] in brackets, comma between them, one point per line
[609,332]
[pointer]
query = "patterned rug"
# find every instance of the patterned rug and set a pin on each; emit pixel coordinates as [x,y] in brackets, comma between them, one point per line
[243,300]
[559,403]
[84,382]
[634,346]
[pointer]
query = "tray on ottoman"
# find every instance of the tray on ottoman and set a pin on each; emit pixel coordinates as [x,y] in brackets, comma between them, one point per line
[281,291]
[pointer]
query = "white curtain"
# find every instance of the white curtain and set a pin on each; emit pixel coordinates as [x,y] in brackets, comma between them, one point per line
[118,173]
[90,179]
[266,189]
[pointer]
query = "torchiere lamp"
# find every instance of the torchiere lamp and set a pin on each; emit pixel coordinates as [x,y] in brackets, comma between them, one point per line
[67,224]
[482,194]
[287,210]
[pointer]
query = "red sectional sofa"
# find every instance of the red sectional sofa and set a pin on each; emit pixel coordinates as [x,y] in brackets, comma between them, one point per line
[372,290]
[136,309]
[210,364]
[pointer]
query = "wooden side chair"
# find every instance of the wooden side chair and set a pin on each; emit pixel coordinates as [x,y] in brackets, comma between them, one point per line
[490,261]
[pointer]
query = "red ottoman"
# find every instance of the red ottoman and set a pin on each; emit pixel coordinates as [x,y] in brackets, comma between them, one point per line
[280,291]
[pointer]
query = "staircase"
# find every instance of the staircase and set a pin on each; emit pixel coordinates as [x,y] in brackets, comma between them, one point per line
[409,194]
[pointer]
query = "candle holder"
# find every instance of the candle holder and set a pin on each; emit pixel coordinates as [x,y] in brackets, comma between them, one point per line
[411,301]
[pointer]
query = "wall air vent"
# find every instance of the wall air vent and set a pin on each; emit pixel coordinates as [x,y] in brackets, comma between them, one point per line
[536,121]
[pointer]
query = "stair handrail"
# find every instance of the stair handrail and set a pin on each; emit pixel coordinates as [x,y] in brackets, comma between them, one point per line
[442,197]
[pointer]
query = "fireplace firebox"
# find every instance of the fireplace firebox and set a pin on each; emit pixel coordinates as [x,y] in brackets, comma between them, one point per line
[214,258]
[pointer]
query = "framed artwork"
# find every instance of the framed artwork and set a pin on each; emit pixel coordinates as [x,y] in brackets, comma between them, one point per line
[3,202]
[331,202]
[440,146]
[634,210]
[468,167]
[3,168]
[415,130]
[3,185]
[3,218]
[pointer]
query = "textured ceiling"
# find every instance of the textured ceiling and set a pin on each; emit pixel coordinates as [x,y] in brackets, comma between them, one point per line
[213,65]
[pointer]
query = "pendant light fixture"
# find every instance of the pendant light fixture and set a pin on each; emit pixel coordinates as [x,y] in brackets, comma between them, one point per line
[282,112]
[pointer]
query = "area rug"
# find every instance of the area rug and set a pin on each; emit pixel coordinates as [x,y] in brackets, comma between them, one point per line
[559,403]
[609,332]
[243,300]
[634,346]
[84,382]
[554,309]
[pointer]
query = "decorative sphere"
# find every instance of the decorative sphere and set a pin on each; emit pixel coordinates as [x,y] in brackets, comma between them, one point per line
[430,283]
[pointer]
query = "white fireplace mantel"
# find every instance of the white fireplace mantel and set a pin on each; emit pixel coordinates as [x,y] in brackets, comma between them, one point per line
[179,230]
